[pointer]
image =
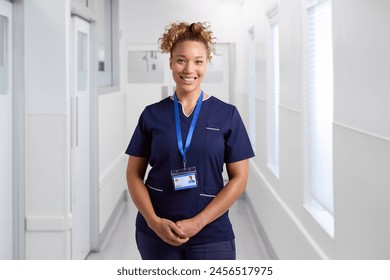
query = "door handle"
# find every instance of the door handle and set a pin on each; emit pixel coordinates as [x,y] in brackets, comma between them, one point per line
[77,121]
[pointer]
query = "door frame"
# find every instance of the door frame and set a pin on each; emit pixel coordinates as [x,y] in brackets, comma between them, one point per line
[18,129]
[7,102]
[18,83]
[93,129]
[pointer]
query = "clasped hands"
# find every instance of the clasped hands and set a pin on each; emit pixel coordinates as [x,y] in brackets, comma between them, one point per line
[177,233]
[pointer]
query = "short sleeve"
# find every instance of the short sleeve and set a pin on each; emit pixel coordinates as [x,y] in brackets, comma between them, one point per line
[237,144]
[140,143]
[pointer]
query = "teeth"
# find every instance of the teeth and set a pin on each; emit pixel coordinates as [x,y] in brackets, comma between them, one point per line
[188,79]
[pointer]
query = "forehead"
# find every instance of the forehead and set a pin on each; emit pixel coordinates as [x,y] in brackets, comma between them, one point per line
[190,48]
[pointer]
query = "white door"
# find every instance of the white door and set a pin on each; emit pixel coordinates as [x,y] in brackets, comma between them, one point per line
[6,147]
[217,79]
[80,127]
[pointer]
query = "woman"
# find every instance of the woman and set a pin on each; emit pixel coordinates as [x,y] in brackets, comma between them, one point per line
[189,134]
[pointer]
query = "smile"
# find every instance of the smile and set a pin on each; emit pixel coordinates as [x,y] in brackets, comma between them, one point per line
[188,79]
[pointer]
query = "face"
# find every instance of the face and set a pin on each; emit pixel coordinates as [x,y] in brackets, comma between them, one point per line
[188,64]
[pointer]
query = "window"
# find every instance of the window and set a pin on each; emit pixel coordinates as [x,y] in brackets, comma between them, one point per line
[252,87]
[82,61]
[273,94]
[3,55]
[108,47]
[319,114]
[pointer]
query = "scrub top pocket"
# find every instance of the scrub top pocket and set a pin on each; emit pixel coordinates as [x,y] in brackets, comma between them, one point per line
[214,141]
[157,197]
[206,195]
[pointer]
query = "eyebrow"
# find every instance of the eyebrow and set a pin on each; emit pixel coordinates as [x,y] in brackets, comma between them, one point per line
[181,55]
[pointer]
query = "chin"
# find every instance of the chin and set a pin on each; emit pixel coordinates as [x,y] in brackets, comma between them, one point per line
[189,90]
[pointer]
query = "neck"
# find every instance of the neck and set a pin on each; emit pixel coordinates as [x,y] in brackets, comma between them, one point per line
[188,98]
[188,101]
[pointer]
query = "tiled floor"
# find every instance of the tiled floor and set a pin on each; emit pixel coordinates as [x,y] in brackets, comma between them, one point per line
[120,241]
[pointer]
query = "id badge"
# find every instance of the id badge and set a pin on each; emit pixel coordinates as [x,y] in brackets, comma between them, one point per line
[184,178]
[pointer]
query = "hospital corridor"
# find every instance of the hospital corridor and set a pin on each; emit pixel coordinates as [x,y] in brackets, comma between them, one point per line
[308,78]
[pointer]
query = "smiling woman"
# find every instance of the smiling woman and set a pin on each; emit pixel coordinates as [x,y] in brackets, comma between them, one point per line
[190,47]
[188,64]
[183,205]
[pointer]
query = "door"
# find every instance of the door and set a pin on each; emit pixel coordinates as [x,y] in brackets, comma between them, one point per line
[80,142]
[6,147]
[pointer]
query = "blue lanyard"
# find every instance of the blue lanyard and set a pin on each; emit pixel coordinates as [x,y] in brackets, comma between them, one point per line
[192,127]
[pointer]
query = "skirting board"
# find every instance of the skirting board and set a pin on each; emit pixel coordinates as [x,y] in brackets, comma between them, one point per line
[266,244]
[110,225]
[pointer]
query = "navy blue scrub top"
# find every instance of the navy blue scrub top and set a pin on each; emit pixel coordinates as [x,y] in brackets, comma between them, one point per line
[219,137]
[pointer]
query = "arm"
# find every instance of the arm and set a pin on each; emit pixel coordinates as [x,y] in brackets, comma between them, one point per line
[165,229]
[238,176]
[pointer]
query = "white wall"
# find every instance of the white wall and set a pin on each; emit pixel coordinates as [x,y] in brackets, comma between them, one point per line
[361,129]
[47,147]
[112,160]
[361,135]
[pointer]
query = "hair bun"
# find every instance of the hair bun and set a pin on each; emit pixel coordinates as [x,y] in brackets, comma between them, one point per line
[192,27]
[182,31]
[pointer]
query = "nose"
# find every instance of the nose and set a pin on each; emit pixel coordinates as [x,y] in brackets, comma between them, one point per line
[189,67]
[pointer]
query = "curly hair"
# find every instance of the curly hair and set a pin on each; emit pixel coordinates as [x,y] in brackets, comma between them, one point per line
[183,31]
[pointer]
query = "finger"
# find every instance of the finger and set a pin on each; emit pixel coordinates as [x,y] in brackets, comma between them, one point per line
[176,230]
[175,241]
[174,237]
[171,236]
[178,241]
[172,230]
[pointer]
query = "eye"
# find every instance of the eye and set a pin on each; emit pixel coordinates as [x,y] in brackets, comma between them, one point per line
[199,62]
[180,61]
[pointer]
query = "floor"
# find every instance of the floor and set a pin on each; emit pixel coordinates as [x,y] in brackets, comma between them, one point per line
[119,243]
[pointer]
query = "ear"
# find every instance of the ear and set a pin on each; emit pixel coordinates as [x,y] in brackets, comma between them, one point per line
[170,62]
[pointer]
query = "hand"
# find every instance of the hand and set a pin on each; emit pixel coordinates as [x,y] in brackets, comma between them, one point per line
[169,232]
[189,227]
